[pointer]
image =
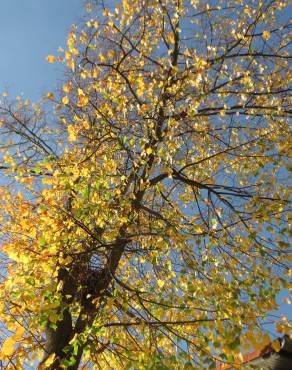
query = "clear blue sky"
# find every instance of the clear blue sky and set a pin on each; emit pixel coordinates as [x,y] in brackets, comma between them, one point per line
[29,31]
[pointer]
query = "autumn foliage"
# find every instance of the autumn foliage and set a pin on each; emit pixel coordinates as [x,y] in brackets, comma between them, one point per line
[144,205]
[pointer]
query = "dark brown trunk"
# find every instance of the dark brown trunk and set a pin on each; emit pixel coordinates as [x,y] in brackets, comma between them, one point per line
[58,339]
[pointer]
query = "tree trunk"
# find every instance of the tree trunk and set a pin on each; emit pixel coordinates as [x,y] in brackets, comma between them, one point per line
[57,340]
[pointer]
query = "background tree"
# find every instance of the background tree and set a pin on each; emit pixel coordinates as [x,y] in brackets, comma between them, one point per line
[144,222]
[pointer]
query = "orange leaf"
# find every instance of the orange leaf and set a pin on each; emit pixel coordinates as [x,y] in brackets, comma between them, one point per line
[50,59]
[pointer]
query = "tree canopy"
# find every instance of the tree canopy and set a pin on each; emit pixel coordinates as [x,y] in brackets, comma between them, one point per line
[144,205]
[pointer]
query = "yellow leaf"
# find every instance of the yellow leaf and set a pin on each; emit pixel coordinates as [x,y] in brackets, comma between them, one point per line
[65,100]
[49,167]
[101,57]
[50,360]
[266,35]
[160,283]
[67,88]
[276,344]
[126,5]
[54,317]
[8,347]
[149,151]
[60,286]
[266,339]
[72,134]
[50,95]
[71,64]
[66,261]
[171,38]
[287,300]
[82,98]
[19,333]
[240,358]
[50,59]
[111,53]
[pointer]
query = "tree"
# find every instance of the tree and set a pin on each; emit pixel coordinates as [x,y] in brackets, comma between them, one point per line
[144,220]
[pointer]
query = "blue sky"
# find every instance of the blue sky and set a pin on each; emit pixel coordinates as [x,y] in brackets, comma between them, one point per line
[29,31]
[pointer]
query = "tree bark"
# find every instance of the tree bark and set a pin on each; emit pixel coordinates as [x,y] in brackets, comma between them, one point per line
[59,339]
